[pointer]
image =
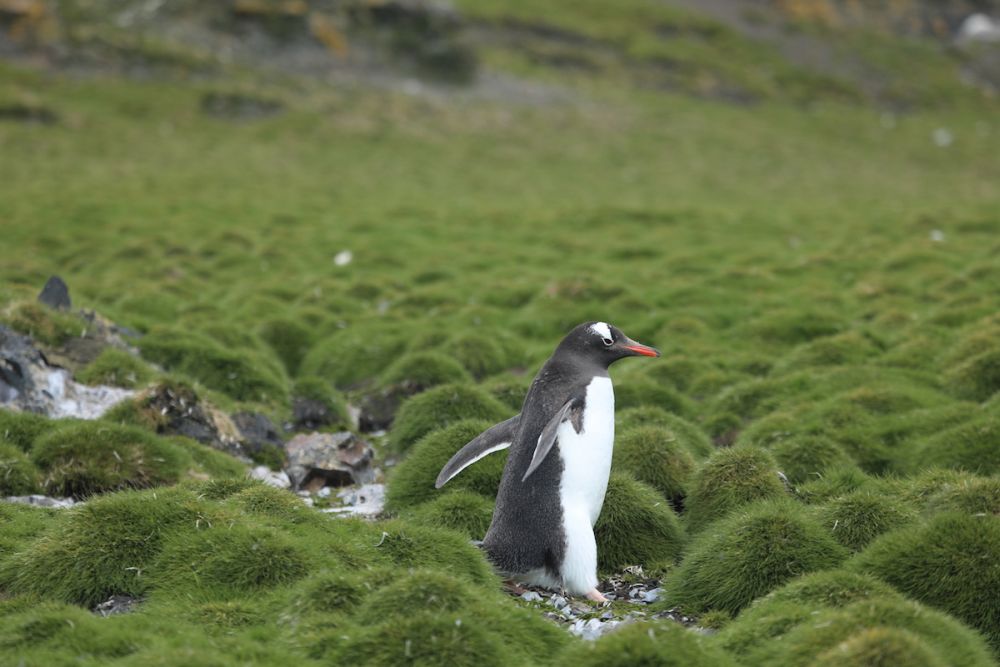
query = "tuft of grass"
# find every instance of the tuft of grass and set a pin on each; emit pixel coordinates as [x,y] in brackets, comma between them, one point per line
[412,481]
[779,611]
[881,647]
[948,562]
[972,496]
[480,354]
[462,511]
[223,561]
[729,479]
[637,526]
[819,633]
[320,402]
[353,357]
[409,545]
[116,368]
[289,338]
[654,455]
[639,391]
[104,547]
[683,431]
[978,378]
[22,428]
[425,369]
[438,407]
[415,591]
[857,518]
[749,554]
[807,457]
[46,325]
[241,374]
[18,475]
[971,446]
[21,523]
[660,643]
[82,458]
[834,483]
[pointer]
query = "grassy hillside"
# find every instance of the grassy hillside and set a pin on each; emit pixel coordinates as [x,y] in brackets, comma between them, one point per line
[816,255]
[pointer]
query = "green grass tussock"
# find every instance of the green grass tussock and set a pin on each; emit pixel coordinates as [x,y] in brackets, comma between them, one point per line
[425,369]
[82,458]
[665,644]
[857,518]
[408,545]
[18,475]
[807,457]
[637,526]
[655,456]
[729,479]
[438,407]
[463,511]
[820,633]
[971,496]
[412,481]
[978,378]
[881,647]
[103,547]
[782,609]
[749,554]
[325,405]
[116,368]
[971,446]
[19,524]
[22,428]
[948,562]
[46,325]
[682,431]
[353,357]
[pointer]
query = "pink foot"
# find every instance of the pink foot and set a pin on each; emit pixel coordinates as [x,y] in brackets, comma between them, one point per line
[596,595]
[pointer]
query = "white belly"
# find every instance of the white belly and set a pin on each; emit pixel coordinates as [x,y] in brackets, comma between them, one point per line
[586,459]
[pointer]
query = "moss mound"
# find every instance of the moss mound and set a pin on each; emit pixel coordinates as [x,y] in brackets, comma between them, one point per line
[413,592]
[46,325]
[664,644]
[656,456]
[780,610]
[480,354]
[58,634]
[509,389]
[881,647]
[971,446]
[328,593]
[750,554]
[337,357]
[439,407]
[462,511]
[690,436]
[102,548]
[823,632]
[728,479]
[637,526]
[210,461]
[857,518]
[835,482]
[949,563]
[242,374]
[415,546]
[116,368]
[638,391]
[847,348]
[22,428]
[978,378]
[970,496]
[224,561]
[807,457]
[289,338]
[21,523]
[421,370]
[412,481]
[82,458]
[18,475]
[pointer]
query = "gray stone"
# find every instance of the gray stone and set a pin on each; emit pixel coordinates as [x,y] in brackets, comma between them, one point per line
[116,604]
[328,459]
[42,501]
[366,501]
[55,294]
[278,479]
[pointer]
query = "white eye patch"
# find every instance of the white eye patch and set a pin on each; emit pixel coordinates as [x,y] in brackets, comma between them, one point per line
[601,329]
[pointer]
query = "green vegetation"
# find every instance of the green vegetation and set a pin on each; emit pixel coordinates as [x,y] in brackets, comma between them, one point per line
[441,406]
[944,563]
[729,479]
[799,211]
[749,554]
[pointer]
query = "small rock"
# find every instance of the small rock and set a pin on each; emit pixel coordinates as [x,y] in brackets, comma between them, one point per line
[366,500]
[116,604]
[942,137]
[651,596]
[277,479]
[557,601]
[593,628]
[55,294]
[256,432]
[324,492]
[979,28]
[343,258]
[531,596]
[937,236]
[41,501]
[328,459]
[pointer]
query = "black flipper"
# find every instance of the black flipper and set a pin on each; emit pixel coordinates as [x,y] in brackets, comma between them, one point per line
[572,410]
[491,440]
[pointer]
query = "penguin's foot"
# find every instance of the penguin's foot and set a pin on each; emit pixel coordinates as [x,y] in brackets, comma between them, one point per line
[596,595]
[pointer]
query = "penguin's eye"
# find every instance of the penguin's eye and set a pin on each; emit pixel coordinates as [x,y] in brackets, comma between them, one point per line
[608,342]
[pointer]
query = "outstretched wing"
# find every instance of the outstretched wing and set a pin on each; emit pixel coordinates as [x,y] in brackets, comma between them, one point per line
[491,440]
[572,411]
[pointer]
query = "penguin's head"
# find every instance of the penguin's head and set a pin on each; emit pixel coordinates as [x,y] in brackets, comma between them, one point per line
[604,343]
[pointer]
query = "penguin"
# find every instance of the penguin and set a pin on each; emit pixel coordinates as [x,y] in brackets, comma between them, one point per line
[555,478]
